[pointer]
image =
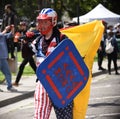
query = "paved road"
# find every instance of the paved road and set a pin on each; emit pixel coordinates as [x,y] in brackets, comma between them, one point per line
[104,101]
[105,98]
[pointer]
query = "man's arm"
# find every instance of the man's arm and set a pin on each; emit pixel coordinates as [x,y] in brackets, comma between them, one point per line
[8,29]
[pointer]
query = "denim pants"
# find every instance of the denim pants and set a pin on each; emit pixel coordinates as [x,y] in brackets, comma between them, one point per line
[4,67]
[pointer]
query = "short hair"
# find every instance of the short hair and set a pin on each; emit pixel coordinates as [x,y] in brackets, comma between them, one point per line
[9,6]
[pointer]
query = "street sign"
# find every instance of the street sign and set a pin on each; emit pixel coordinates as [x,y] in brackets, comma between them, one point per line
[63,73]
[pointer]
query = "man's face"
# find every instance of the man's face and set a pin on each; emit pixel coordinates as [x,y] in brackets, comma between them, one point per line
[6,9]
[23,27]
[44,26]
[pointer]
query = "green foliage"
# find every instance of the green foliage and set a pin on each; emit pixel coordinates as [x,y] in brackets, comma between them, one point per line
[30,8]
[19,57]
[26,8]
[1,77]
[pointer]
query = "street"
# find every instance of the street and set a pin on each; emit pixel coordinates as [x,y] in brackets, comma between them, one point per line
[104,101]
[105,98]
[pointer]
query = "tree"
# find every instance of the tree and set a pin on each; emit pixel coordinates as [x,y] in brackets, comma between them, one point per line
[27,8]
[87,5]
[30,8]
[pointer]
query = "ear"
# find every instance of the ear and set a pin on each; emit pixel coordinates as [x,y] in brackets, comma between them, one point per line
[54,21]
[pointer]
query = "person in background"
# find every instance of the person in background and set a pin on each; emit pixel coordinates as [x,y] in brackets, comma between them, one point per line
[21,31]
[112,56]
[101,54]
[117,28]
[9,18]
[101,50]
[43,46]
[27,54]
[32,27]
[4,67]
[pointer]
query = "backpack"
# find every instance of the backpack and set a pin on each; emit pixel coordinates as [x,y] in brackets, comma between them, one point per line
[109,47]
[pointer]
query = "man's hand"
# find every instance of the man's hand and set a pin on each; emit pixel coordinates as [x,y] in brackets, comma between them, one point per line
[30,34]
[9,28]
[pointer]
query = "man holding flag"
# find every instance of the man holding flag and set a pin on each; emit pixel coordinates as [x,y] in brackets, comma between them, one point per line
[87,40]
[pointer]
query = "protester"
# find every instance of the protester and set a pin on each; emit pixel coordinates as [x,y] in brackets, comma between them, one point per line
[101,50]
[32,26]
[43,46]
[117,28]
[27,54]
[101,54]
[113,55]
[4,67]
[9,18]
[21,30]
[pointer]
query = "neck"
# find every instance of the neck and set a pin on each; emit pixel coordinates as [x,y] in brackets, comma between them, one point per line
[9,11]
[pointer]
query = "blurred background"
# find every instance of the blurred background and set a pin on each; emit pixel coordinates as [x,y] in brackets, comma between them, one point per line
[27,10]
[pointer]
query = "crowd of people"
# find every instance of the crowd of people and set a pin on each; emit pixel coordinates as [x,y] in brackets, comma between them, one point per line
[111,34]
[41,46]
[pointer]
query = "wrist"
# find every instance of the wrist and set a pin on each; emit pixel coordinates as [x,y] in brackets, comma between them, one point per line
[6,30]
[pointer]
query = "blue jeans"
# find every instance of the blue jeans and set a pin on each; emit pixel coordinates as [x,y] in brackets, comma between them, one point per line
[4,67]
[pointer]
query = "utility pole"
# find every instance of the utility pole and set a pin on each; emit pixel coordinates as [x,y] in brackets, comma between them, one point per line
[78,12]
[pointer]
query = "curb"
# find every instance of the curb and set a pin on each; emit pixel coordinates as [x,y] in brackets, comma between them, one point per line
[16,99]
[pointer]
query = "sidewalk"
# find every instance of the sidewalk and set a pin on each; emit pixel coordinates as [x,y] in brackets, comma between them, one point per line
[27,86]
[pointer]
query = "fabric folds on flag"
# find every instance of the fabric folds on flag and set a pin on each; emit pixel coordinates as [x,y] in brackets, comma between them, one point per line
[87,39]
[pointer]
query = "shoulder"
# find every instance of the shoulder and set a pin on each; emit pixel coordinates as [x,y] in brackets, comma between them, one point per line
[1,33]
[37,40]
[63,36]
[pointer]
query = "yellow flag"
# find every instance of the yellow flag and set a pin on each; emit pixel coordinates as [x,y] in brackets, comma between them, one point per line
[87,39]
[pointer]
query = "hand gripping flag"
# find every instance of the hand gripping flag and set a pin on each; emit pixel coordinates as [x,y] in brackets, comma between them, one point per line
[63,73]
[87,39]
